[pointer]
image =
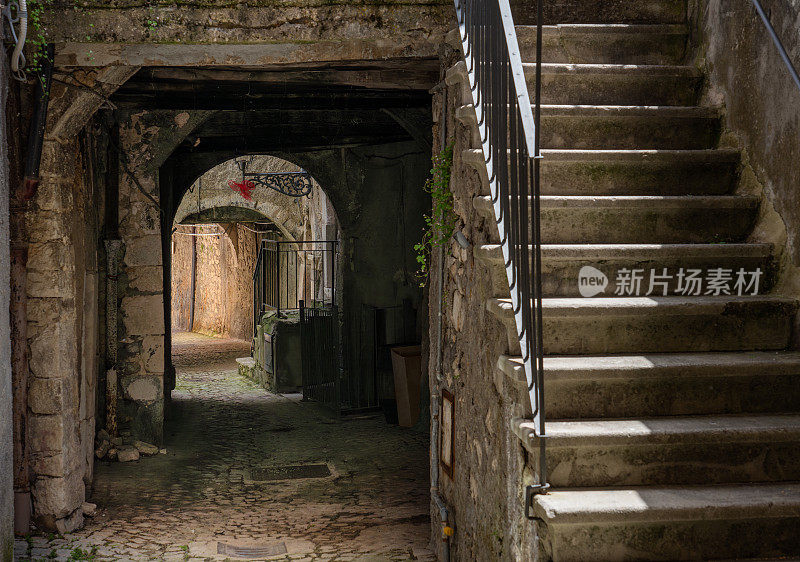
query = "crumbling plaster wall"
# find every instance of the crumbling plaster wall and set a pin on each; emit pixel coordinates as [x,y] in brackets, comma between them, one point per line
[762,111]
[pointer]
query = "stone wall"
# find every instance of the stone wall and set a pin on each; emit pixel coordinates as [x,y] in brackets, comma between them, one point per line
[762,111]
[6,434]
[183,248]
[484,496]
[295,30]
[223,284]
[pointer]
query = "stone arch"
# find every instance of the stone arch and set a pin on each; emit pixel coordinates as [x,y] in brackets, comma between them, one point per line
[210,191]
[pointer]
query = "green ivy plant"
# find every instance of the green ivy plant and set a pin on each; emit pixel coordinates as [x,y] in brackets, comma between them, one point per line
[36,35]
[440,223]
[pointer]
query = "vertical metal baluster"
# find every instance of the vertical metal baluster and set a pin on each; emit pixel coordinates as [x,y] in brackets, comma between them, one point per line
[538,248]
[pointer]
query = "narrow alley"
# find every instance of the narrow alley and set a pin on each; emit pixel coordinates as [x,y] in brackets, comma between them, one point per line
[205,499]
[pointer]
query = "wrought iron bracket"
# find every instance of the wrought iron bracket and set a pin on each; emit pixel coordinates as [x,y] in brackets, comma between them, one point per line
[293,184]
[530,492]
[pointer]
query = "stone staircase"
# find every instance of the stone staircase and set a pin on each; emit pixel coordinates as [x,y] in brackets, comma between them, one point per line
[673,419]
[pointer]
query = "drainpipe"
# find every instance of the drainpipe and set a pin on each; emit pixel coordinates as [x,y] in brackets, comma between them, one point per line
[19,299]
[444,515]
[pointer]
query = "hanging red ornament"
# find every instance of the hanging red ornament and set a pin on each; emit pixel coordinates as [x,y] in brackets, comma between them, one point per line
[244,188]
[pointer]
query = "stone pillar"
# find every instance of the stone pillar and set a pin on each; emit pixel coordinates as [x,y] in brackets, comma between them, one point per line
[53,332]
[6,444]
[146,139]
[140,361]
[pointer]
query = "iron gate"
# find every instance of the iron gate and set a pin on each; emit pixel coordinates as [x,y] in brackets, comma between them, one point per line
[319,335]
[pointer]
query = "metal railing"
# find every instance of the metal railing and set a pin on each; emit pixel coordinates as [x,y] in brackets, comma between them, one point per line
[510,140]
[288,272]
[778,44]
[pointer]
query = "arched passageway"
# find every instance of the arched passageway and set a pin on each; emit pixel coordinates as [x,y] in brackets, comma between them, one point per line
[121,173]
[221,428]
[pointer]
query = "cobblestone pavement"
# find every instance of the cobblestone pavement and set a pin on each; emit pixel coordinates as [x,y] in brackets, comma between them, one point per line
[201,497]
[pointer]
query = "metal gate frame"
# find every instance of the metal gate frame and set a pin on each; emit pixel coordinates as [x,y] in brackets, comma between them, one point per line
[319,336]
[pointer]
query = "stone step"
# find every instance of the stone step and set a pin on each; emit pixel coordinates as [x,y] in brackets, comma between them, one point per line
[602,84]
[668,450]
[605,43]
[616,84]
[562,264]
[629,172]
[669,384]
[640,219]
[670,523]
[601,11]
[618,127]
[642,44]
[580,326]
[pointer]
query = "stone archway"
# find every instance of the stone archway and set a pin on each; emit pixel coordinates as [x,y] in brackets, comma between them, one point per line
[208,278]
[211,191]
[119,265]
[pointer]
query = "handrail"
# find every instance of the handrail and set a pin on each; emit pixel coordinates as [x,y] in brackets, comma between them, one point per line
[775,39]
[510,142]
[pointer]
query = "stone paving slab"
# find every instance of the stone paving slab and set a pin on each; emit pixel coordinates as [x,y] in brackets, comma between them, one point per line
[220,425]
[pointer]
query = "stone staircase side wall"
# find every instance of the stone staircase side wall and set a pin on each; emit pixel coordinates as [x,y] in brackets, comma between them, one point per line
[762,112]
[485,494]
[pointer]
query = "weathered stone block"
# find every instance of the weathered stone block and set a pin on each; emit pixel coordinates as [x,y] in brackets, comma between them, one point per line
[143,314]
[46,433]
[56,463]
[53,352]
[50,283]
[54,255]
[89,509]
[145,250]
[53,196]
[70,523]
[46,396]
[145,448]
[102,449]
[146,279]
[42,312]
[58,497]
[44,226]
[59,158]
[49,464]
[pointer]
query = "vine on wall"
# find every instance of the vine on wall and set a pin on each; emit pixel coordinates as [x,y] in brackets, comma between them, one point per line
[440,223]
